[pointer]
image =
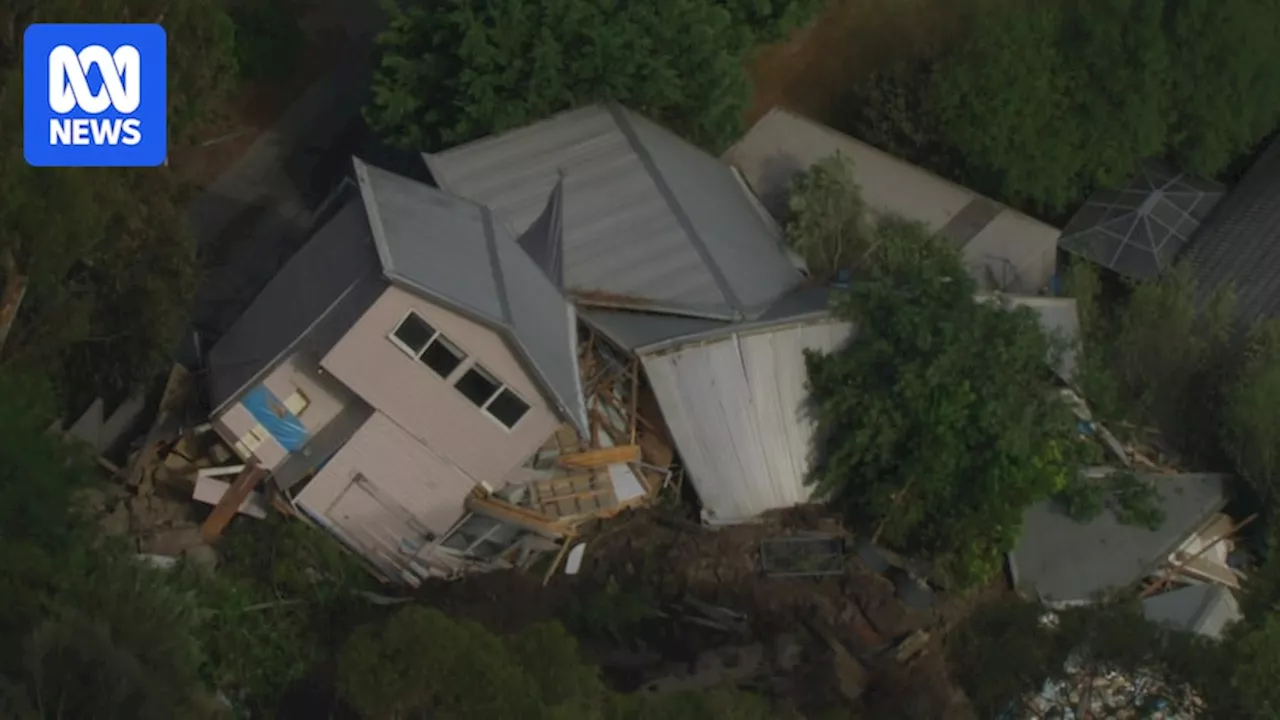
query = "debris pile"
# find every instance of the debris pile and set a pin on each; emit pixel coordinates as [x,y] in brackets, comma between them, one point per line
[625,462]
[1088,692]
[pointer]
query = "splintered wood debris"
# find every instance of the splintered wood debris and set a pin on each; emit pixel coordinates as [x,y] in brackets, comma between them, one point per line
[624,463]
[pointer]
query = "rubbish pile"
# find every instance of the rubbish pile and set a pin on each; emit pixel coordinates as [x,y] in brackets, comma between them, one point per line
[1095,693]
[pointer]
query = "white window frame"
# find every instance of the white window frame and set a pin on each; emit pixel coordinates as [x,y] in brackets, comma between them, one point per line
[484,409]
[297,402]
[469,551]
[435,335]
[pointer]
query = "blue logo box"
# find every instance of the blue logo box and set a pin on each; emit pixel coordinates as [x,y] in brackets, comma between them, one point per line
[94,95]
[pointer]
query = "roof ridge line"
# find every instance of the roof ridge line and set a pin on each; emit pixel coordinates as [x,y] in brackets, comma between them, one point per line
[495,264]
[722,284]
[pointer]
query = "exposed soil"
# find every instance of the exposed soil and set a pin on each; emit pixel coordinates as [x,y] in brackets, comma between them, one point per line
[675,560]
[814,72]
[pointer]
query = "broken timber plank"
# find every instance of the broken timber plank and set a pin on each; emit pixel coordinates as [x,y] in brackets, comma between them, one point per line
[229,505]
[602,457]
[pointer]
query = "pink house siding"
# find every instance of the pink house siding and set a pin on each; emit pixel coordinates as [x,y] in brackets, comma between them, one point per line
[430,408]
[403,471]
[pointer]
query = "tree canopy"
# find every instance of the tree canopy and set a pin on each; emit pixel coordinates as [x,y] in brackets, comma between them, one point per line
[104,255]
[939,423]
[1042,102]
[456,70]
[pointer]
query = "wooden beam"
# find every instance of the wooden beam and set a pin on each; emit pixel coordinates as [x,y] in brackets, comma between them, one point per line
[634,399]
[601,457]
[229,505]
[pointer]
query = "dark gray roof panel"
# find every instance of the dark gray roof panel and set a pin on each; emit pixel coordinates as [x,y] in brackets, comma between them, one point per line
[1139,229]
[1065,561]
[455,252]
[544,240]
[742,250]
[431,241]
[1203,609]
[650,222]
[631,330]
[1240,243]
[324,285]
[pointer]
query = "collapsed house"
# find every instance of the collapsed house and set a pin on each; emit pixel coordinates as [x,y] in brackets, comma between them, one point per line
[396,376]
[454,378]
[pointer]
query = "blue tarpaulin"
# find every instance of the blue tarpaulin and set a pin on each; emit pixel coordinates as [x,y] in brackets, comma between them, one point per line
[277,419]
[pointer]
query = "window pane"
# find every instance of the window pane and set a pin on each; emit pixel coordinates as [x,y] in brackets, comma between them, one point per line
[414,332]
[442,356]
[469,532]
[477,385]
[508,408]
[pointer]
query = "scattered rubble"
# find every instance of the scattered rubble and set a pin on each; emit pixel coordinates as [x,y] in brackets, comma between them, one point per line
[1088,692]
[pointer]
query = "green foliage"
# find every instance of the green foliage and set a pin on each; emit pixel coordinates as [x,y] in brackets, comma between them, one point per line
[90,317]
[1133,501]
[827,222]
[717,703]
[1251,414]
[1003,651]
[423,663]
[1152,359]
[773,20]
[461,69]
[612,613]
[1042,102]
[1255,667]
[939,423]
[269,41]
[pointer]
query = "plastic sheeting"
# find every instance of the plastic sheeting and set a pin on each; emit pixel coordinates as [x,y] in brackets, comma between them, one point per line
[277,419]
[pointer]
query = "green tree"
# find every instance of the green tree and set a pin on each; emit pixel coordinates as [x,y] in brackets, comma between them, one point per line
[421,663]
[939,423]
[1251,414]
[827,222]
[1043,102]
[104,255]
[773,20]
[460,69]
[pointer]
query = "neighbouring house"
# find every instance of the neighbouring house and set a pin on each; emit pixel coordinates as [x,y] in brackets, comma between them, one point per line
[1004,249]
[399,373]
[1064,563]
[1139,229]
[1228,238]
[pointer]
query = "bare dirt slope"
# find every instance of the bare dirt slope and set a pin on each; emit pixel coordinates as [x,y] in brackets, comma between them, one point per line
[813,71]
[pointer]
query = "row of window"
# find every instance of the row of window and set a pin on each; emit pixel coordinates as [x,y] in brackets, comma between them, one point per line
[423,342]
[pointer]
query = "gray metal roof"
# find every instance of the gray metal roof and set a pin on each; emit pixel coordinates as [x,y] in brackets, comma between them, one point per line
[1066,561]
[543,241]
[1138,229]
[648,332]
[315,297]
[1204,609]
[452,251]
[650,221]
[1240,242]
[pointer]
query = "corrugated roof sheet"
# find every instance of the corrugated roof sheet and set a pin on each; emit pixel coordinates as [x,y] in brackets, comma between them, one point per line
[1203,609]
[1003,248]
[1240,242]
[314,298]
[650,221]
[1137,230]
[452,251]
[1067,561]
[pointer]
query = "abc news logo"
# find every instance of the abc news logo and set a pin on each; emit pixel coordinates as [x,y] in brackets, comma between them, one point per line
[69,90]
[95,95]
